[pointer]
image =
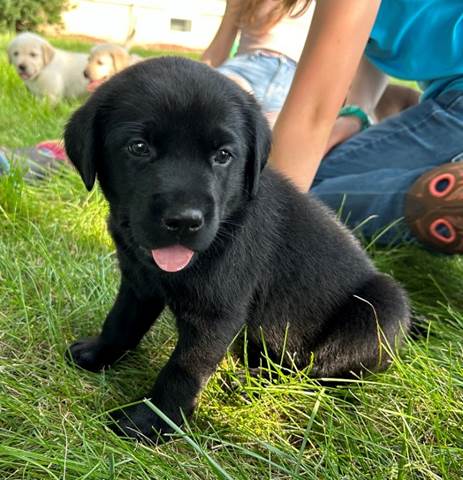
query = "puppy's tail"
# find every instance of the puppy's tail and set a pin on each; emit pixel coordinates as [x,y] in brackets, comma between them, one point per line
[366,330]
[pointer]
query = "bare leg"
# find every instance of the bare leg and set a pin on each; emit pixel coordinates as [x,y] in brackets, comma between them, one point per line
[244,84]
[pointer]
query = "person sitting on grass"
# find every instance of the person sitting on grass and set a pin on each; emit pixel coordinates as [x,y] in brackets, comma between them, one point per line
[403,176]
[271,38]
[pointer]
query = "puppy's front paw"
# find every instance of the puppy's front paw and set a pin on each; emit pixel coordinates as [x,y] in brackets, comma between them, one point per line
[140,423]
[91,354]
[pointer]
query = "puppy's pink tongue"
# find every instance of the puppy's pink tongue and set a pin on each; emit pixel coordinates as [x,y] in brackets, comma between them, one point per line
[172,259]
[93,85]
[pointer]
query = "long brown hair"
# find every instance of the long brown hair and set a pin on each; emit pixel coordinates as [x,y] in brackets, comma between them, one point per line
[250,9]
[296,7]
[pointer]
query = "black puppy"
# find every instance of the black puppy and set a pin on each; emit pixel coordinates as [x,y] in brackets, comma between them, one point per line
[178,150]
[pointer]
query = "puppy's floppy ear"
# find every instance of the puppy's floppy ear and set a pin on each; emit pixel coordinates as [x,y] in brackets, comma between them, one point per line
[80,142]
[121,59]
[48,53]
[260,139]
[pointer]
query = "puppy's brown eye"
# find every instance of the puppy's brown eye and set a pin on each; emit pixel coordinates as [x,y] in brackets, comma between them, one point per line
[99,62]
[33,54]
[222,157]
[139,148]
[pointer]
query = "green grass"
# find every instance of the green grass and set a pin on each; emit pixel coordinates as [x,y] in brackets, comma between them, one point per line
[58,278]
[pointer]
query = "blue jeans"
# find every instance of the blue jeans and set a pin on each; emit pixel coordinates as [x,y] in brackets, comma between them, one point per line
[365,179]
[269,75]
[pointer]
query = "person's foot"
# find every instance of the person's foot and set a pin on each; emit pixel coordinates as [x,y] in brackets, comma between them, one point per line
[36,162]
[434,208]
[44,158]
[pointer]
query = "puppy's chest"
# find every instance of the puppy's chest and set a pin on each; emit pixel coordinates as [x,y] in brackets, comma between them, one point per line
[37,86]
[194,295]
[203,295]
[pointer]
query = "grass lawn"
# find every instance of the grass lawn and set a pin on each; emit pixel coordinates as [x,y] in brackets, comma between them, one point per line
[58,278]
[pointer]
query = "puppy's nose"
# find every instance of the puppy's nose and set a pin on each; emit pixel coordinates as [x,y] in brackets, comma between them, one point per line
[189,220]
[22,67]
[85,73]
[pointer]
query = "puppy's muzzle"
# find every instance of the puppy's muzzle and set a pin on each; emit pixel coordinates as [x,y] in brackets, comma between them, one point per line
[183,222]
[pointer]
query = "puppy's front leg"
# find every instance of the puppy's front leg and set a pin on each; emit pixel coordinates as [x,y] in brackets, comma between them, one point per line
[199,349]
[127,322]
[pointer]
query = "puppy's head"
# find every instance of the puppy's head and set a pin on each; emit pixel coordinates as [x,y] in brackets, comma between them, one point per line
[177,148]
[29,53]
[104,61]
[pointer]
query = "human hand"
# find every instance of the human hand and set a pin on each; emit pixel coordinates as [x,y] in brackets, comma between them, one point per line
[343,129]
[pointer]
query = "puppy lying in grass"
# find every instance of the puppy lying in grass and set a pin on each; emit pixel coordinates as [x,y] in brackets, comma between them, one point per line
[48,71]
[201,226]
[106,60]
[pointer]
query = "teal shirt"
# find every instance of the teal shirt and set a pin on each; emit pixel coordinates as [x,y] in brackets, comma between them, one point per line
[420,40]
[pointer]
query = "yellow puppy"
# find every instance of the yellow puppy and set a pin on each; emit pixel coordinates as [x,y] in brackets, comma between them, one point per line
[106,60]
[47,71]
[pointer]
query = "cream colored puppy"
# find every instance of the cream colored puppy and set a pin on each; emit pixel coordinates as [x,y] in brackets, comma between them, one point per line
[105,60]
[48,71]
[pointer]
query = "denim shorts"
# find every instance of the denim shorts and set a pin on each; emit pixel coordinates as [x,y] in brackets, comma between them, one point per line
[269,75]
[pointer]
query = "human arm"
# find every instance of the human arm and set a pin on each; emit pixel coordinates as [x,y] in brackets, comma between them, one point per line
[329,61]
[366,90]
[220,47]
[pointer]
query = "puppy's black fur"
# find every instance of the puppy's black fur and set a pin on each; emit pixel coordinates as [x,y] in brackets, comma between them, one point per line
[178,150]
